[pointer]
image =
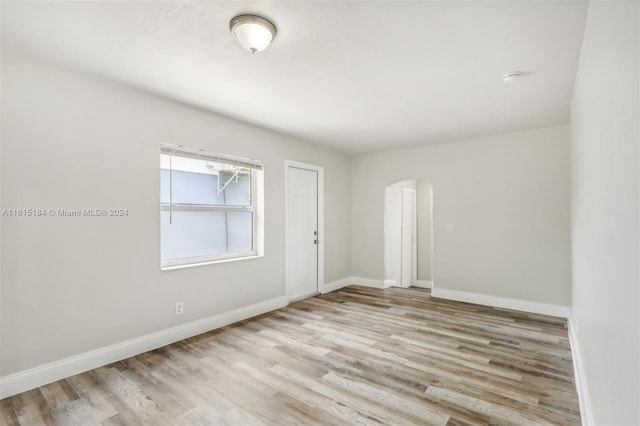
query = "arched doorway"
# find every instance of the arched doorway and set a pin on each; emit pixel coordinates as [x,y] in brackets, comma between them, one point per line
[408,234]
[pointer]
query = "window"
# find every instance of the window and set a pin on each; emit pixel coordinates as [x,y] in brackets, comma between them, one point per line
[210,207]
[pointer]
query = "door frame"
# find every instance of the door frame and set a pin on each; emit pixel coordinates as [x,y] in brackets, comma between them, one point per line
[320,170]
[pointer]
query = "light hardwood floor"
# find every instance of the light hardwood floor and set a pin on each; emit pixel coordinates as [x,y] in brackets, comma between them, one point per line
[355,356]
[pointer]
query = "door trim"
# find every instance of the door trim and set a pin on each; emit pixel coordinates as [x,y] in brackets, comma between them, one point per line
[320,171]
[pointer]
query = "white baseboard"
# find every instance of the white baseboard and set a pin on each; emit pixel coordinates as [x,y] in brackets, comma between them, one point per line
[502,302]
[44,374]
[367,282]
[578,371]
[336,285]
[390,283]
[422,284]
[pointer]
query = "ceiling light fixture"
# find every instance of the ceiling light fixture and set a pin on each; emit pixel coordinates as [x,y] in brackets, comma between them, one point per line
[512,76]
[254,33]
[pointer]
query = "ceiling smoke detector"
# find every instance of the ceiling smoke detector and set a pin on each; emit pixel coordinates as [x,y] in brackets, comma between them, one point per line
[512,76]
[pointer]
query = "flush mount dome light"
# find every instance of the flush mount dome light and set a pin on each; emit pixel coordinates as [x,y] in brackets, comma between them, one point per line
[512,76]
[254,33]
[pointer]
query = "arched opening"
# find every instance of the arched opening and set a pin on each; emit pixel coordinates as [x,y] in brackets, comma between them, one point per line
[408,234]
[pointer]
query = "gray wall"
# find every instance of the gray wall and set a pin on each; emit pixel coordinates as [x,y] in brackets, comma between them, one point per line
[70,285]
[605,212]
[508,199]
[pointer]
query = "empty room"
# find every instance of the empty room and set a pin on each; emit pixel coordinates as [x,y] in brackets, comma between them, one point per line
[320,212]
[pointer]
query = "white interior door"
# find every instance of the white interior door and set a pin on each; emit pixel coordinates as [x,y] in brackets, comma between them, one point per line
[409,242]
[302,233]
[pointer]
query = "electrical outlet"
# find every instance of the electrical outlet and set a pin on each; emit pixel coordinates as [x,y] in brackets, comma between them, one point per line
[179,308]
[450,227]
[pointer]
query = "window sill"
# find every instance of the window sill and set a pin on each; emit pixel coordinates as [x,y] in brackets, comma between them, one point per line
[207,262]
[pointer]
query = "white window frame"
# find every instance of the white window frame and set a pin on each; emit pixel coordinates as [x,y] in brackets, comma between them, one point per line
[256,207]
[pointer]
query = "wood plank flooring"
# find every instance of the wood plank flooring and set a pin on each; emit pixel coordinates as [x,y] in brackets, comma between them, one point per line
[357,356]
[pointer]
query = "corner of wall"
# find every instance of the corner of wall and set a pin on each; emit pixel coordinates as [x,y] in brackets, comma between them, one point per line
[335,285]
[580,378]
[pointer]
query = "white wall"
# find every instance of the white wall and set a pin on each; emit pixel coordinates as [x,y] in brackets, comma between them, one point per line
[605,211]
[393,231]
[392,235]
[508,199]
[425,230]
[70,285]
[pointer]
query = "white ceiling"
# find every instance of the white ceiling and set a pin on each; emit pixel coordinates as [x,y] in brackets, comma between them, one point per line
[357,75]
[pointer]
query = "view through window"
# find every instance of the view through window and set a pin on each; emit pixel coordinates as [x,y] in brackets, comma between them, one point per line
[208,206]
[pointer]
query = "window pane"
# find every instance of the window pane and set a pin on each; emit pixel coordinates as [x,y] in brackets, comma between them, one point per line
[240,226]
[211,231]
[190,188]
[201,188]
[192,234]
[236,193]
